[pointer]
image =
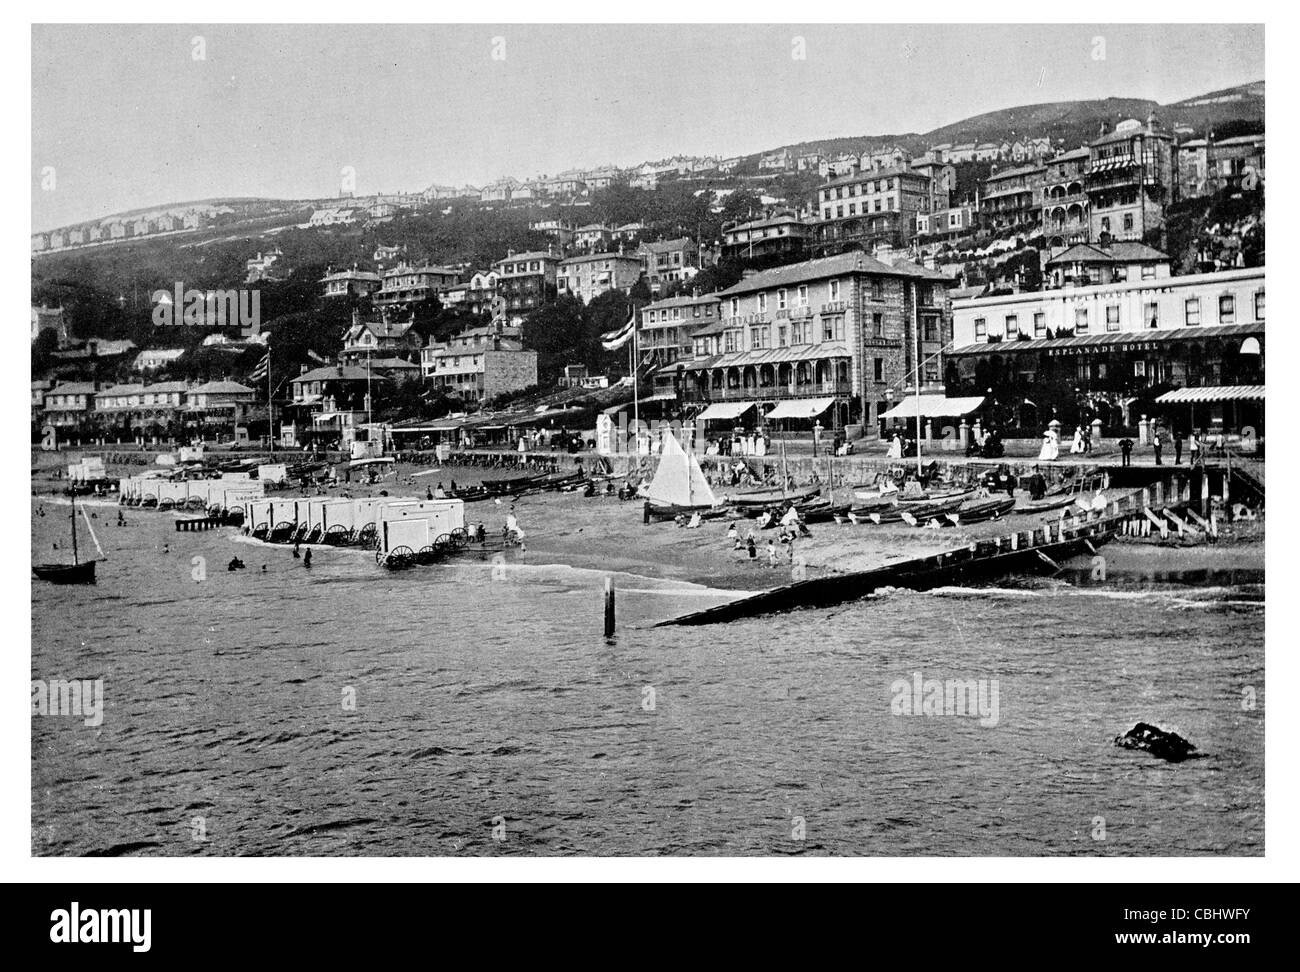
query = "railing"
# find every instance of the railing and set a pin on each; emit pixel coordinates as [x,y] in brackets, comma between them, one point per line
[813,389]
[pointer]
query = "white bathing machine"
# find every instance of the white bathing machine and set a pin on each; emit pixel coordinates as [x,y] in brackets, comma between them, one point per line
[419,531]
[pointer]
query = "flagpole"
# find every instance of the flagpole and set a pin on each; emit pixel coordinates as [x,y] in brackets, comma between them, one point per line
[636,385]
[270,406]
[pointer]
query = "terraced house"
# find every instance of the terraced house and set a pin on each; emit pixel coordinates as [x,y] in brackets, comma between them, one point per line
[587,277]
[838,339]
[871,208]
[405,285]
[668,326]
[526,281]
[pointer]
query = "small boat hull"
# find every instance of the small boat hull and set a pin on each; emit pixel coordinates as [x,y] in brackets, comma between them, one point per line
[82,573]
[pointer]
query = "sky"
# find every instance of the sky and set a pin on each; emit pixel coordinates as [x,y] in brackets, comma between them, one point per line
[125,117]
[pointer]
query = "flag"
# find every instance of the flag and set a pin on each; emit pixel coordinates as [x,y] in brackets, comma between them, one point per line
[263,367]
[317,358]
[613,340]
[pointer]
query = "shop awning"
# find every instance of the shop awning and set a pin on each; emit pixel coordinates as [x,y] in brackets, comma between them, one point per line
[1212,393]
[934,406]
[803,408]
[722,411]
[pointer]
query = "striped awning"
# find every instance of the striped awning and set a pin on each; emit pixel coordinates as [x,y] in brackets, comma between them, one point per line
[1212,393]
[804,408]
[933,406]
[722,411]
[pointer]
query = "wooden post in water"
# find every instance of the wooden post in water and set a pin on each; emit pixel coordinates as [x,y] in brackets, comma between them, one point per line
[1205,491]
[609,607]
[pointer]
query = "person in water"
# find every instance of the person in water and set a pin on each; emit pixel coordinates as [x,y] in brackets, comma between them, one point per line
[306,560]
[296,553]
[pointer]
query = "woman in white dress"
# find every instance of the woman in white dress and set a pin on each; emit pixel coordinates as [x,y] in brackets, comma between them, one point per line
[1076,447]
[1051,446]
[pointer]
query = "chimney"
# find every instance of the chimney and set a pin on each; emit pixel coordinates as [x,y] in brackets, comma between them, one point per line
[340,369]
[302,369]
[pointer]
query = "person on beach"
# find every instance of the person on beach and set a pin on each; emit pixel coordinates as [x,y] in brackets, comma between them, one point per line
[752,547]
[771,554]
[428,493]
[1126,452]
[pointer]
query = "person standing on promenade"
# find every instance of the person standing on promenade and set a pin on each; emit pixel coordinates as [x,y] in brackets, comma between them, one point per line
[1126,452]
[1178,446]
[1156,444]
[1194,448]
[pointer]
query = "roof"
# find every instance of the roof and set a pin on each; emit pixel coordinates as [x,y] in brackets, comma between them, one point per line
[163,387]
[774,220]
[681,302]
[1212,393]
[221,388]
[590,257]
[126,389]
[531,255]
[402,269]
[741,359]
[1121,252]
[334,373]
[1152,336]
[74,388]
[831,266]
[1070,156]
[868,175]
[351,275]
[380,329]
[1014,173]
[667,246]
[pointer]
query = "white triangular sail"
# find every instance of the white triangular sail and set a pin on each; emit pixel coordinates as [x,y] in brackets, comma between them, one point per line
[679,481]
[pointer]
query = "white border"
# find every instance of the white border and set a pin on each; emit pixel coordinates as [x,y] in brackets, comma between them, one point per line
[1281,841]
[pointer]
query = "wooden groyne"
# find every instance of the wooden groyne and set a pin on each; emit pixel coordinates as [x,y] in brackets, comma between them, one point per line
[1037,550]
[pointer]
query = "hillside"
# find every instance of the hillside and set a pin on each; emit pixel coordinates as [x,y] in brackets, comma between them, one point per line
[1073,122]
[1229,111]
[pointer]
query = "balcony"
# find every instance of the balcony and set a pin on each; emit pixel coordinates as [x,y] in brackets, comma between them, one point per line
[769,393]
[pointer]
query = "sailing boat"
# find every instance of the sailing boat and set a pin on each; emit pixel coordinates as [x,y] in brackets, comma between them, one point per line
[679,485]
[77,572]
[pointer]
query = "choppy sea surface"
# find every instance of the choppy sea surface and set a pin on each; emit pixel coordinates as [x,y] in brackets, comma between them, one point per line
[476,709]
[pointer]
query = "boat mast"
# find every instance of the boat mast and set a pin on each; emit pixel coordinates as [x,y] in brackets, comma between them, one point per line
[73,495]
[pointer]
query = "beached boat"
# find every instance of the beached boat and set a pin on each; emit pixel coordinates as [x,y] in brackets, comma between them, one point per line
[771,497]
[679,487]
[79,571]
[991,509]
[911,514]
